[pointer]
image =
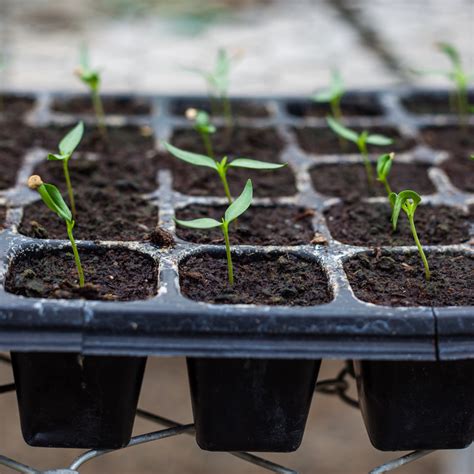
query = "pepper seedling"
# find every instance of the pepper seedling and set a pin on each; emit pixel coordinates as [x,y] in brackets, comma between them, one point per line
[221,166]
[67,146]
[218,83]
[91,78]
[361,140]
[53,199]
[203,125]
[384,165]
[408,202]
[332,95]
[236,209]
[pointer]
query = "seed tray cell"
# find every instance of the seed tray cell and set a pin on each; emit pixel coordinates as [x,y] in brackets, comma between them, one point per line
[171,324]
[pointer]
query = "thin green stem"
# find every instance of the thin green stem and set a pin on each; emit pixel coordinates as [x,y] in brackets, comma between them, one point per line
[99,113]
[388,189]
[368,166]
[462,105]
[207,144]
[223,175]
[227,110]
[70,191]
[420,248]
[230,267]
[70,226]
[336,108]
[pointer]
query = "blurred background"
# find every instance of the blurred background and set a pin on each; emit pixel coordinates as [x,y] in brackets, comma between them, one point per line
[284,47]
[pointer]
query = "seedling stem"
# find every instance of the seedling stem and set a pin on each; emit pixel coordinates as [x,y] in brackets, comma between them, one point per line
[230,266]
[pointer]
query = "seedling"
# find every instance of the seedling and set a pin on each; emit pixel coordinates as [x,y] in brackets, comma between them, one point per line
[221,166]
[332,95]
[218,83]
[53,199]
[204,127]
[384,165]
[67,146]
[91,78]
[408,201]
[236,209]
[361,140]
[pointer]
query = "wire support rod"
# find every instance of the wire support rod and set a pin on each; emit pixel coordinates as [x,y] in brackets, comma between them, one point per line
[16,466]
[399,462]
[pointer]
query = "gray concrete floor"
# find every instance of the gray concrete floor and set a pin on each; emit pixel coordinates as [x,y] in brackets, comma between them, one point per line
[285,47]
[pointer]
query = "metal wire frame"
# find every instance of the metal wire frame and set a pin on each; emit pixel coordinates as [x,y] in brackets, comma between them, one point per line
[336,386]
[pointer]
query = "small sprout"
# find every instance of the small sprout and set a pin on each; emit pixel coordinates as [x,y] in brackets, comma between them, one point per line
[67,146]
[384,165]
[91,78]
[218,83]
[361,140]
[236,209]
[408,201]
[332,95]
[53,199]
[203,126]
[221,166]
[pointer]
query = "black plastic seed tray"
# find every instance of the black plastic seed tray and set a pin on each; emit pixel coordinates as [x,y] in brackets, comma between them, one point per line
[170,324]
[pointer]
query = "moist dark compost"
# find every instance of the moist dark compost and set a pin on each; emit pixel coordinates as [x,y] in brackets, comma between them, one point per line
[450,138]
[427,104]
[112,105]
[460,171]
[240,108]
[10,163]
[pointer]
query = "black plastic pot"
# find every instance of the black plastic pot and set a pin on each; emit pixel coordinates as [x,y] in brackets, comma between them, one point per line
[251,405]
[69,401]
[417,405]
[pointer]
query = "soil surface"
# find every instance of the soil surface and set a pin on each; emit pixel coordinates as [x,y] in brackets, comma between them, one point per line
[112,105]
[110,274]
[240,108]
[12,108]
[369,224]
[283,225]
[280,279]
[125,172]
[450,138]
[10,163]
[354,106]
[429,104]
[349,181]
[324,141]
[461,172]
[398,280]
[102,214]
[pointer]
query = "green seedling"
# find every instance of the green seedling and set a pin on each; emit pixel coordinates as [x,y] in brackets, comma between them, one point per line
[384,165]
[236,209]
[408,202]
[204,127]
[218,82]
[67,146]
[53,199]
[361,140]
[91,78]
[221,166]
[332,95]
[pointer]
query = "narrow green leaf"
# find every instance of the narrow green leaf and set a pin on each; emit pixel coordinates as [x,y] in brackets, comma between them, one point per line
[53,199]
[54,157]
[384,165]
[204,223]
[400,202]
[396,202]
[379,140]
[193,158]
[342,131]
[72,139]
[450,51]
[255,164]
[323,96]
[241,204]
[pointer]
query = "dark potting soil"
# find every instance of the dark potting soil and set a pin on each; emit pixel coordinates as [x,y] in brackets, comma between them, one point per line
[240,108]
[10,163]
[280,279]
[125,172]
[102,214]
[282,225]
[387,278]
[110,274]
[13,107]
[450,138]
[423,104]
[324,141]
[362,223]
[112,105]
[354,106]
[461,172]
[349,180]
